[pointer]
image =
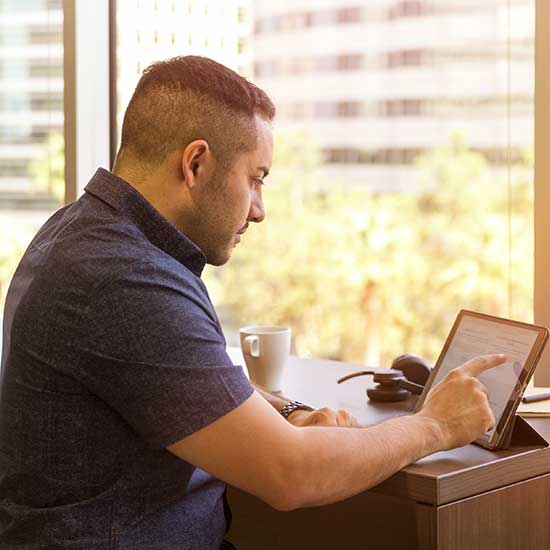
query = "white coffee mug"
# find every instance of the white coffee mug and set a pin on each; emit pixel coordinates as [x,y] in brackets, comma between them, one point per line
[265,350]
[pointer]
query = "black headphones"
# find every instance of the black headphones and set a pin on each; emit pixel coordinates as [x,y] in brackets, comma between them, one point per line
[407,374]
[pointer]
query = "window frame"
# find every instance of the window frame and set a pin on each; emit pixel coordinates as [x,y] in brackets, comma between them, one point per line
[541,298]
[87,95]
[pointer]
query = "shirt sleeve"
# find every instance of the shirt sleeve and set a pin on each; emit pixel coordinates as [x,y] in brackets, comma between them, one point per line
[155,352]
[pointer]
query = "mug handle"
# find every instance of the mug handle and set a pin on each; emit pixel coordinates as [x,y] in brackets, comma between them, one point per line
[251,345]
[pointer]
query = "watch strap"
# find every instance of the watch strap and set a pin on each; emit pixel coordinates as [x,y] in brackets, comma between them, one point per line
[292,406]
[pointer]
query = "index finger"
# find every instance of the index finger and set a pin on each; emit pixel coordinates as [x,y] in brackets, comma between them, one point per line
[480,364]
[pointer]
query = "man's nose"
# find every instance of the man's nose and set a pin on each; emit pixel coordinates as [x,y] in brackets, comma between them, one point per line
[257,209]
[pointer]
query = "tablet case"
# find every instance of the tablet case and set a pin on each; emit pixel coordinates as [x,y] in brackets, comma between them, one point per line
[521,434]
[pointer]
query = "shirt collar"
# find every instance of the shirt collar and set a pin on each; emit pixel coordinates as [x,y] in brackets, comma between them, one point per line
[126,200]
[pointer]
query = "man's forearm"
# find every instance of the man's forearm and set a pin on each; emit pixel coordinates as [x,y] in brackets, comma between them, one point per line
[383,450]
[336,464]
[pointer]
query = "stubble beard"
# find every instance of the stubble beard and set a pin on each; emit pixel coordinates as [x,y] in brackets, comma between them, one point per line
[220,247]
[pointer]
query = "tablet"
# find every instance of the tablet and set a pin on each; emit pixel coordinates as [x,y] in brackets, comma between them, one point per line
[476,334]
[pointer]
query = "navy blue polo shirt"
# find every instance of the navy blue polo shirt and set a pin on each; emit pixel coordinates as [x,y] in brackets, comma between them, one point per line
[112,351]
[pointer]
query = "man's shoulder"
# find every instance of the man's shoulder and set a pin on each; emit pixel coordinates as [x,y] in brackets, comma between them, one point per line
[97,244]
[102,279]
[81,227]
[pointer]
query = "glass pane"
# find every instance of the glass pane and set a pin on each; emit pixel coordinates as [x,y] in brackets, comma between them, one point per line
[402,187]
[31,124]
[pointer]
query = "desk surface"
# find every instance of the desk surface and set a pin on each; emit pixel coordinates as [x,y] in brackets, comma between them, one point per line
[437,479]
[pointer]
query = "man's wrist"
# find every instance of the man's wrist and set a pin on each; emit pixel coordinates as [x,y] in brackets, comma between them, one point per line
[434,440]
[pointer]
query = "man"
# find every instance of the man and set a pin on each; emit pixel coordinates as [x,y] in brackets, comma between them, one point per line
[121,415]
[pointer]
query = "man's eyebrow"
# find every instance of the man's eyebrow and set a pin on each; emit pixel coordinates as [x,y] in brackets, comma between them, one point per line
[264,170]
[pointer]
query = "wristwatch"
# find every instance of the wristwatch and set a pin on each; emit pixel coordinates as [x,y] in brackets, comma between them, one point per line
[292,406]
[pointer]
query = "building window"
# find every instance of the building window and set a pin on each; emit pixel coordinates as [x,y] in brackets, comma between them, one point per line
[38,68]
[304,65]
[47,101]
[241,14]
[402,107]
[348,62]
[349,109]
[337,109]
[405,58]
[325,109]
[410,8]
[349,15]
[45,35]
[302,20]
[324,17]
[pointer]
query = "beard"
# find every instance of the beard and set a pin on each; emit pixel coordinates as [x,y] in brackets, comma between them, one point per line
[217,231]
[218,254]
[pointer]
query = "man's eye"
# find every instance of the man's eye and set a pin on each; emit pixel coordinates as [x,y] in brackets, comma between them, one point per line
[259,181]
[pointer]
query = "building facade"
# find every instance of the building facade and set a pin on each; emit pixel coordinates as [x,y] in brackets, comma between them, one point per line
[151,30]
[378,82]
[31,99]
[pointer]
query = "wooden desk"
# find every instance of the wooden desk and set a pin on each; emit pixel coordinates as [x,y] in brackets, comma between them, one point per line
[466,499]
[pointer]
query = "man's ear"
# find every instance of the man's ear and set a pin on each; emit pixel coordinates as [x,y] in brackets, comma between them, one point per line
[196,162]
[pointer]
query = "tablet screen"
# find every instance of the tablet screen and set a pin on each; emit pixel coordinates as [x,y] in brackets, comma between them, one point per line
[476,334]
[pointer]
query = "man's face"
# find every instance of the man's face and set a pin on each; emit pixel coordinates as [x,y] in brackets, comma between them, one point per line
[233,199]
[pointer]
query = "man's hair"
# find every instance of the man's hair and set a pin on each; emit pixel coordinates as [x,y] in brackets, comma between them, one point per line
[186,98]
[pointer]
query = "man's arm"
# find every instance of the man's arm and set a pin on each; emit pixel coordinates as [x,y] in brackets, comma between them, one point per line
[276,401]
[320,417]
[254,449]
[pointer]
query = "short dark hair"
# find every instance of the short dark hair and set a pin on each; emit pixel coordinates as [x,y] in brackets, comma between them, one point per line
[185,98]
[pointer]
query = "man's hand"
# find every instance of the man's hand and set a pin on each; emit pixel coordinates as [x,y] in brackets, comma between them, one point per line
[323,417]
[459,404]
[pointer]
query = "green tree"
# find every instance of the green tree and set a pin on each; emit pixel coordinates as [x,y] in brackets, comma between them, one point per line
[362,277]
[474,230]
[48,169]
[321,260]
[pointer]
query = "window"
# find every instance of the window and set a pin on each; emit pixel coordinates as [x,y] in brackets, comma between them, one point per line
[430,126]
[390,207]
[31,125]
